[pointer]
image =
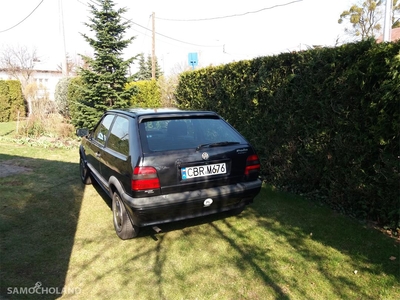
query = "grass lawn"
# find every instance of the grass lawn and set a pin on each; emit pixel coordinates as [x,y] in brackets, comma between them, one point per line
[57,235]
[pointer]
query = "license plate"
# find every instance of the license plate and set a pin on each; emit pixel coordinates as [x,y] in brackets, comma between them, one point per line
[201,171]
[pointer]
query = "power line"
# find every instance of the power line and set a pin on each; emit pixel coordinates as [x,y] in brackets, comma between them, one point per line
[23,19]
[171,38]
[148,21]
[205,19]
[163,35]
[230,16]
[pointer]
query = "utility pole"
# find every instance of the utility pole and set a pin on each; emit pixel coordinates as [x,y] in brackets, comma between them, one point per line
[153,50]
[387,28]
[64,51]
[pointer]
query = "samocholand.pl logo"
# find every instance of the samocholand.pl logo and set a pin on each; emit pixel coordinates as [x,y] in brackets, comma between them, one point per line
[38,289]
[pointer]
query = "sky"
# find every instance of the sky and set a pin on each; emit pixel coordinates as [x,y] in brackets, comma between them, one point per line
[219,31]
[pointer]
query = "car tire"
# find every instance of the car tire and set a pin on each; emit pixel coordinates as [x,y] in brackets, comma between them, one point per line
[84,172]
[122,223]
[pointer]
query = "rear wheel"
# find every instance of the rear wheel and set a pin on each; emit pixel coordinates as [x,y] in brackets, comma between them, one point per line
[122,224]
[84,172]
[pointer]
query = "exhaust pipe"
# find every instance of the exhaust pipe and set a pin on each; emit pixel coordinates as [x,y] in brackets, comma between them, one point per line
[157,229]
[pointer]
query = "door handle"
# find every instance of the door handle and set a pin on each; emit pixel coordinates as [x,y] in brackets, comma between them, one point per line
[98,154]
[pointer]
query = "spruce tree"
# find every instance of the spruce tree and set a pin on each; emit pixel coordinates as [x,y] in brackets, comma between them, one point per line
[105,75]
[150,67]
[145,69]
[144,73]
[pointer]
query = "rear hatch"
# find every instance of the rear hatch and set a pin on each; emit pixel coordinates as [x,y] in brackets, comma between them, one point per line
[195,152]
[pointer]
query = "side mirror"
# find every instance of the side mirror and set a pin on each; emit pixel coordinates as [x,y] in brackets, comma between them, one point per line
[82,132]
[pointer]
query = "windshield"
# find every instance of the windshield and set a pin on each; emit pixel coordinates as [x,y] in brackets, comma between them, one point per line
[175,134]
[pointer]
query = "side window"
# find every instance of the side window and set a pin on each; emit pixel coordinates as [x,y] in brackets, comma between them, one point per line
[119,136]
[101,132]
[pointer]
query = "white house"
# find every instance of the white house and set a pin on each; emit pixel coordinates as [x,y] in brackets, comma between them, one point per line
[46,81]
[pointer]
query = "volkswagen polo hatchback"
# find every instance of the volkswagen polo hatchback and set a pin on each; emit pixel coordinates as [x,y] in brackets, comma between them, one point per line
[164,165]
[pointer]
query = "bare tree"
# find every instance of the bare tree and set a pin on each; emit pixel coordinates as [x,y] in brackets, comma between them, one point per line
[73,65]
[168,86]
[19,62]
[396,14]
[180,67]
[364,19]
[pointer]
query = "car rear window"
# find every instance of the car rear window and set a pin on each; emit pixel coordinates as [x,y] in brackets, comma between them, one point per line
[176,134]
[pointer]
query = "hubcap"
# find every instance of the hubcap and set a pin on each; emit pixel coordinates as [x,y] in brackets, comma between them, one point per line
[118,213]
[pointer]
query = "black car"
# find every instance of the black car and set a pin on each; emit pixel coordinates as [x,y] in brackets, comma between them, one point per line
[163,165]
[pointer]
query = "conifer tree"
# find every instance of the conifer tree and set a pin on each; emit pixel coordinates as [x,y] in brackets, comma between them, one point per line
[145,69]
[150,67]
[144,73]
[105,77]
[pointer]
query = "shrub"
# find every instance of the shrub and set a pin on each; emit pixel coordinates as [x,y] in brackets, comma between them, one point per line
[51,125]
[74,96]
[18,106]
[5,102]
[148,94]
[61,96]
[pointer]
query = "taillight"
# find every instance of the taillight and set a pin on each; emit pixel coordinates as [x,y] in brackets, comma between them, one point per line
[145,178]
[252,165]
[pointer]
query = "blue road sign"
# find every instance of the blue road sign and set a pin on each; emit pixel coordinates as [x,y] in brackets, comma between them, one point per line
[193,59]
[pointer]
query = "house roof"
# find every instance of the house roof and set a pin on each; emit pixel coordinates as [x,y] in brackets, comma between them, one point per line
[394,36]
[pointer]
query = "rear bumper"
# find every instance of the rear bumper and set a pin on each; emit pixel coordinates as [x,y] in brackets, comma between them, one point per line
[173,207]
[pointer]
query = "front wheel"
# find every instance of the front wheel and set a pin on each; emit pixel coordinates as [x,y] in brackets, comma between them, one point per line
[122,224]
[84,172]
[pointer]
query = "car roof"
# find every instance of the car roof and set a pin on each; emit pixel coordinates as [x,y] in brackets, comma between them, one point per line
[145,113]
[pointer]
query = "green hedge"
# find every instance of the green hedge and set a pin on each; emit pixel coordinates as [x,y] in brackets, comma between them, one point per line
[11,100]
[325,122]
[5,102]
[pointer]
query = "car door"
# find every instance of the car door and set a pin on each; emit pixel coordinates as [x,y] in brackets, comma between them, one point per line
[96,145]
[115,156]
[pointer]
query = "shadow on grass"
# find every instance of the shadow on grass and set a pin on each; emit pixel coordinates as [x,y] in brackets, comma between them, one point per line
[7,133]
[301,220]
[38,221]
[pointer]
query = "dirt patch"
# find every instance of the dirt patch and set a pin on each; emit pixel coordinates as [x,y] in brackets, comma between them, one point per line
[8,169]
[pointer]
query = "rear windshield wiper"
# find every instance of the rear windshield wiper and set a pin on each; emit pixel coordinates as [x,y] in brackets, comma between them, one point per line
[218,144]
